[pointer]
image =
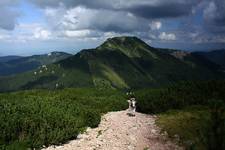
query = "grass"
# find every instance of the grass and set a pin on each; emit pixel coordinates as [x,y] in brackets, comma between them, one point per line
[192,111]
[190,124]
[193,127]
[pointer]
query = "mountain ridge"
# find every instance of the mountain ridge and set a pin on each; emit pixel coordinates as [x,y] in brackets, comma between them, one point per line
[8,58]
[120,62]
[16,64]
[215,56]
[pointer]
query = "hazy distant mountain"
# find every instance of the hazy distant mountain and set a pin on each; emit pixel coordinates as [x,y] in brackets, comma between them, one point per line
[120,62]
[15,64]
[8,58]
[216,56]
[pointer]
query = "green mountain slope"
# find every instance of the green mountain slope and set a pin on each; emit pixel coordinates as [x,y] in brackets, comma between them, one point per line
[16,65]
[120,62]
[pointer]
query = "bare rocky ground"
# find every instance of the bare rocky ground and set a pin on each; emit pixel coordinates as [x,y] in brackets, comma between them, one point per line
[119,131]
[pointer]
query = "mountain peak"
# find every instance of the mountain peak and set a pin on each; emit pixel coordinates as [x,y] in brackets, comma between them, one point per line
[123,38]
[129,45]
[122,41]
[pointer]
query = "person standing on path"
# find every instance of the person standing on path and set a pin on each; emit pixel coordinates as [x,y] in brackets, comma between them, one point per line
[131,103]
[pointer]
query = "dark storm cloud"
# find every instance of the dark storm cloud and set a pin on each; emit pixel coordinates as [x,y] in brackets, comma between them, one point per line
[215,12]
[214,16]
[8,17]
[143,8]
[73,3]
[163,10]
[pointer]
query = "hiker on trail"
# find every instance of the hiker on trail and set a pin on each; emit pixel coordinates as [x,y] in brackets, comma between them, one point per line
[131,103]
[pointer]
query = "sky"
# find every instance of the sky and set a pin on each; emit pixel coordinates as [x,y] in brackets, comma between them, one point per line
[30,27]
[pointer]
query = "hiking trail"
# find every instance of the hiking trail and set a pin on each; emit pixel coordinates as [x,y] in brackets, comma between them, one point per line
[119,131]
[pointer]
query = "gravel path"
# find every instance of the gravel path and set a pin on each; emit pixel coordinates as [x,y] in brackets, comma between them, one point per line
[118,131]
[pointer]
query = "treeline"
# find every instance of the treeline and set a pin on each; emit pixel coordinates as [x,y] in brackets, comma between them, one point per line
[198,116]
[31,119]
[181,95]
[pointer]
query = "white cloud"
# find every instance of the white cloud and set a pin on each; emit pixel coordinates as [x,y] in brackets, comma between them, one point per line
[78,33]
[155,25]
[26,32]
[42,34]
[4,37]
[152,36]
[81,18]
[167,36]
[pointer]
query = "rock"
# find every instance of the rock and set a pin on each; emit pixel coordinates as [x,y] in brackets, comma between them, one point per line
[122,132]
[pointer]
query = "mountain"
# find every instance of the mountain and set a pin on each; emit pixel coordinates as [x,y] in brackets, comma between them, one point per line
[120,62]
[14,64]
[216,56]
[8,58]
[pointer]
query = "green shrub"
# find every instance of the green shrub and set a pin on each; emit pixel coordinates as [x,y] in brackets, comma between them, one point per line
[201,127]
[179,96]
[31,119]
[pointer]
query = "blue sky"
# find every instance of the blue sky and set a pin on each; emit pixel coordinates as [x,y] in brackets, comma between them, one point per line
[30,13]
[35,27]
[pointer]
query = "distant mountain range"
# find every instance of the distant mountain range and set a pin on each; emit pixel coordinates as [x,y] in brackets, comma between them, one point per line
[4,59]
[216,56]
[15,64]
[120,62]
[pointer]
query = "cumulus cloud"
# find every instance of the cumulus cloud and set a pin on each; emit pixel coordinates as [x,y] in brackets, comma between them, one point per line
[41,34]
[85,18]
[71,18]
[24,33]
[95,19]
[78,33]
[155,25]
[167,36]
[159,21]
[80,18]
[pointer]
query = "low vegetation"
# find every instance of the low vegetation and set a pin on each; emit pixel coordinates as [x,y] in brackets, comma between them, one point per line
[40,117]
[196,127]
[193,112]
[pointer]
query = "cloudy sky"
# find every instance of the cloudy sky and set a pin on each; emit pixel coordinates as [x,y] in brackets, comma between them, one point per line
[39,26]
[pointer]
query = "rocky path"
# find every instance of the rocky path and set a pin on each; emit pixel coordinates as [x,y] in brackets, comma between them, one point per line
[118,131]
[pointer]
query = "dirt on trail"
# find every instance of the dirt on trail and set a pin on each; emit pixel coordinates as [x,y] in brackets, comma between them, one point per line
[119,131]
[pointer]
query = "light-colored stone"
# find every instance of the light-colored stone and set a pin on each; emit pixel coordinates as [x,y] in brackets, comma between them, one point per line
[122,132]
